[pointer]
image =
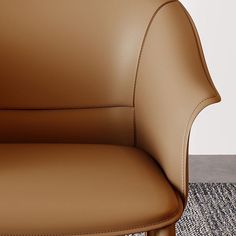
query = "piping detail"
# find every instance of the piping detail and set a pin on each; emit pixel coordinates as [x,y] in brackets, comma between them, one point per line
[61,108]
[140,55]
[204,103]
[201,105]
[199,46]
[143,42]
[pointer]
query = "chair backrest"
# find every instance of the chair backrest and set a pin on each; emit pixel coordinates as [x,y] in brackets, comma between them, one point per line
[68,69]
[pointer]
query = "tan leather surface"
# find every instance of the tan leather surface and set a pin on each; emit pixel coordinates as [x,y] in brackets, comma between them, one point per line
[70,54]
[105,72]
[173,86]
[65,189]
[97,125]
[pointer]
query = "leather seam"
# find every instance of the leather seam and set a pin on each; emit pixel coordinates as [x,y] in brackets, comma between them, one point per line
[140,55]
[207,74]
[143,43]
[170,216]
[60,108]
[186,133]
[199,46]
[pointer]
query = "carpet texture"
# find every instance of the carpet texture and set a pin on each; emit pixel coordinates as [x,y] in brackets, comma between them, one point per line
[211,211]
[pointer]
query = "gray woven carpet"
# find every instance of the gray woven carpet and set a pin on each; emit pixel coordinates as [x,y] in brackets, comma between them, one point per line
[211,211]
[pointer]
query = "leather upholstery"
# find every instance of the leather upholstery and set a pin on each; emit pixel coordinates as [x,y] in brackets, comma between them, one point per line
[82,189]
[173,85]
[71,55]
[76,76]
[112,125]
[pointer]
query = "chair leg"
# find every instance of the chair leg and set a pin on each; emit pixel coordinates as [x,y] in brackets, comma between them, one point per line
[168,231]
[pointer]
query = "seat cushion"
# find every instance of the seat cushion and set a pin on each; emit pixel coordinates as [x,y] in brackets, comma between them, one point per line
[76,189]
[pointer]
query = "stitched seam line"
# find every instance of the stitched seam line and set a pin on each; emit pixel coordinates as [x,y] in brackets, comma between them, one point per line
[186,133]
[169,217]
[203,63]
[143,42]
[140,55]
[199,46]
[60,108]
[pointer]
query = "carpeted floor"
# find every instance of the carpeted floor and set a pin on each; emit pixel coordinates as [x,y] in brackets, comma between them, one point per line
[211,211]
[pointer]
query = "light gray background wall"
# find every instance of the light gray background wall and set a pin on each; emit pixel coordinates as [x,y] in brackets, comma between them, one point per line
[214,131]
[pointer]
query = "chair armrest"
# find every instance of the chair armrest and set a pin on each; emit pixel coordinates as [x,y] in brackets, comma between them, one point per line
[172,86]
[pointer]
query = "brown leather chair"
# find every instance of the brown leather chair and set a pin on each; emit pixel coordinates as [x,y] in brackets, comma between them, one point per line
[97,99]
